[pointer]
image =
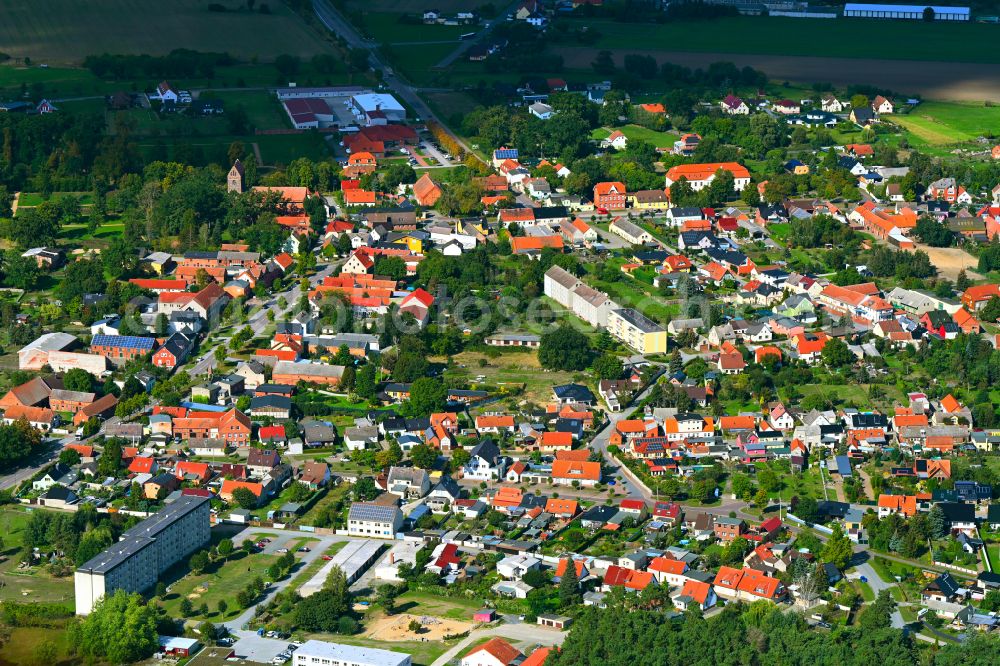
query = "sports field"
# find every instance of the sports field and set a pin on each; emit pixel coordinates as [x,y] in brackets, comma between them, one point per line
[66,31]
[838,38]
[939,123]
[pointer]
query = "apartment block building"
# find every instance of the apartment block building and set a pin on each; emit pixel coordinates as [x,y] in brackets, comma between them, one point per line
[144,552]
[637,331]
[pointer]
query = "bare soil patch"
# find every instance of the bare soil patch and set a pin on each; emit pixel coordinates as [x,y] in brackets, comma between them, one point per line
[396,628]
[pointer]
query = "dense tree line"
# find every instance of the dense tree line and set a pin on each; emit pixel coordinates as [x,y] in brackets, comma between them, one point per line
[178,64]
[758,634]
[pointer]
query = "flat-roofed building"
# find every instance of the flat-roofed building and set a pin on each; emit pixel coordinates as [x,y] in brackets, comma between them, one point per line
[144,552]
[637,331]
[322,653]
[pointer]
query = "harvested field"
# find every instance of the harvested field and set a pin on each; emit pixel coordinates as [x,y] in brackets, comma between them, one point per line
[932,80]
[396,628]
[64,32]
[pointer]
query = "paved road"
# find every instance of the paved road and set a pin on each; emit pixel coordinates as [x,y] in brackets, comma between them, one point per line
[258,321]
[602,439]
[483,32]
[260,648]
[335,22]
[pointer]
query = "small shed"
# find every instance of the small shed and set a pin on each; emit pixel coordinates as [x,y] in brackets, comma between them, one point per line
[178,646]
[485,615]
[560,622]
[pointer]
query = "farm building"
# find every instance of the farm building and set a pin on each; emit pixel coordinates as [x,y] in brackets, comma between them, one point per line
[905,12]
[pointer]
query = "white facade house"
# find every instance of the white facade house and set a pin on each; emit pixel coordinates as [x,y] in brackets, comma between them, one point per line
[374,520]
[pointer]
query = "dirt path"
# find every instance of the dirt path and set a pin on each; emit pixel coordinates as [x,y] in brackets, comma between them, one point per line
[932,80]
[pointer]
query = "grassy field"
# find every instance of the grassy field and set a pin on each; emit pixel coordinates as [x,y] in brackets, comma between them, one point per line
[279,149]
[34,585]
[943,123]
[21,646]
[387,28]
[453,608]
[217,583]
[57,31]
[639,133]
[262,108]
[509,368]
[856,38]
[416,62]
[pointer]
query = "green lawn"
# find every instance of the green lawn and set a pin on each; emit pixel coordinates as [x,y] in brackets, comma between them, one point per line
[263,109]
[639,133]
[417,62]
[943,123]
[866,591]
[31,584]
[22,645]
[453,608]
[387,28]
[853,38]
[220,581]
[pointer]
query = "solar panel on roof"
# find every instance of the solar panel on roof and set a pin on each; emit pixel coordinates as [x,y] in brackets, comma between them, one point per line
[129,341]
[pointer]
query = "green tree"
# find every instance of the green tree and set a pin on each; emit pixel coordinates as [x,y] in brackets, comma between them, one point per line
[386,596]
[78,379]
[936,522]
[121,629]
[225,547]
[198,562]
[838,549]
[244,498]
[608,366]
[427,395]
[836,354]
[564,349]
[424,456]
[569,586]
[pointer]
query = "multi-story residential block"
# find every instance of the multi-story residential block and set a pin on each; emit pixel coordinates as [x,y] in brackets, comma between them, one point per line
[144,552]
[637,331]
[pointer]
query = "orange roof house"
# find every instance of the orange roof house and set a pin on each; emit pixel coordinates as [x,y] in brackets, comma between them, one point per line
[580,566]
[359,198]
[654,108]
[767,351]
[507,496]
[976,296]
[950,404]
[533,244]
[905,505]
[426,191]
[142,465]
[565,472]
[727,423]
[700,175]
[556,440]
[229,486]
[561,507]
[503,652]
